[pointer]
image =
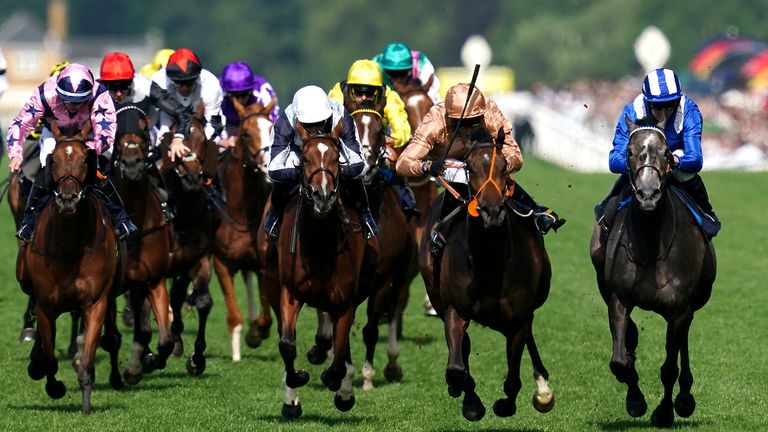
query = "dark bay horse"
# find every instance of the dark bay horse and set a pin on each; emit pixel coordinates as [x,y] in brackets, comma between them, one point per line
[655,258]
[396,266]
[245,185]
[73,262]
[149,257]
[194,225]
[316,261]
[495,271]
[417,104]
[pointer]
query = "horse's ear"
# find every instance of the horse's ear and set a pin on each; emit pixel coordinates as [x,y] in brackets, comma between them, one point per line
[55,130]
[303,134]
[382,101]
[500,137]
[270,106]
[630,124]
[662,121]
[238,106]
[336,132]
[200,109]
[85,130]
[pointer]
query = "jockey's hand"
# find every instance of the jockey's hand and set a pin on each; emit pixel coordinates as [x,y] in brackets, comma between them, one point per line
[228,142]
[434,168]
[178,149]
[15,164]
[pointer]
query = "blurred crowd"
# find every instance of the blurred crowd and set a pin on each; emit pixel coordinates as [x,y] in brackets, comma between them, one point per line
[735,131]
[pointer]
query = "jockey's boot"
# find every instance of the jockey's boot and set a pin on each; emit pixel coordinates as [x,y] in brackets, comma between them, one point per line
[37,198]
[157,184]
[545,217]
[696,189]
[406,198]
[353,192]
[616,189]
[215,192]
[368,223]
[278,199]
[120,219]
[437,240]
[605,211]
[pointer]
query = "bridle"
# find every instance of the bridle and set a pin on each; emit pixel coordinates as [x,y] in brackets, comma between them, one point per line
[504,192]
[306,187]
[667,156]
[69,177]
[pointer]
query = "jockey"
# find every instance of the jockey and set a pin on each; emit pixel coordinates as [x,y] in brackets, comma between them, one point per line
[662,96]
[128,88]
[398,62]
[159,60]
[3,88]
[318,114]
[238,81]
[436,130]
[70,100]
[189,84]
[363,89]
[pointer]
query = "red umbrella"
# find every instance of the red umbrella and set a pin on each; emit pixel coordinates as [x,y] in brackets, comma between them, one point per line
[713,54]
[755,64]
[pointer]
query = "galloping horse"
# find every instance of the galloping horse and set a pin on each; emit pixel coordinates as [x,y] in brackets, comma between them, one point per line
[245,185]
[396,266]
[318,259]
[72,263]
[417,105]
[149,256]
[193,228]
[656,258]
[494,270]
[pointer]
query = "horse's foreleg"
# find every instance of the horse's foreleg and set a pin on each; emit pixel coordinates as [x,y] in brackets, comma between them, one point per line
[77,330]
[685,403]
[677,332]
[234,317]
[28,327]
[516,340]
[158,299]
[44,358]
[203,304]
[543,397]
[289,312]
[344,399]
[258,325]
[337,370]
[94,320]
[319,352]
[178,295]
[472,407]
[111,341]
[456,371]
[624,334]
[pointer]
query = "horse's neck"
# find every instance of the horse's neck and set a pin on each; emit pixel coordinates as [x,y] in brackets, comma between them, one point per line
[489,249]
[648,232]
[135,196]
[70,233]
[245,188]
[320,235]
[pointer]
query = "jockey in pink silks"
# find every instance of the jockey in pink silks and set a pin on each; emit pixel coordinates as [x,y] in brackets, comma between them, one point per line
[69,100]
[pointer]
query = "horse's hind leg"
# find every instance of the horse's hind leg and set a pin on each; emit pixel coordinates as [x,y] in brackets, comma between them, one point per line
[110,342]
[543,397]
[234,317]
[28,328]
[94,320]
[677,332]
[624,333]
[258,325]
[203,304]
[289,312]
[77,330]
[318,353]
[178,295]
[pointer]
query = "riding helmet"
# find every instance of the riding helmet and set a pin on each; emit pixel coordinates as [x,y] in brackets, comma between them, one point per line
[661,85]
[75,84]
[396,56]
[457,97]
[117,66]
[183,65]
[311,104]
[237,76]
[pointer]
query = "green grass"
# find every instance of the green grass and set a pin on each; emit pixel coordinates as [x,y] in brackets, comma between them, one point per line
[728,353]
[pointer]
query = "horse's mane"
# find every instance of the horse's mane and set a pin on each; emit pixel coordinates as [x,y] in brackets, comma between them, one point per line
[129,118]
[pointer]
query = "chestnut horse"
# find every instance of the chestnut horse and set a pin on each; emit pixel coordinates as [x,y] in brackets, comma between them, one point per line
[655,258]
[246,189]
[149,256]
[193,228]
[494,270]
[316,261]
[396,266]
[73,262]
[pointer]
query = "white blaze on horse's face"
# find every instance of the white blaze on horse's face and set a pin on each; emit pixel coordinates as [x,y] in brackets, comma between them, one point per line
[68,151]
[365,144]
[265,129]
[323,148]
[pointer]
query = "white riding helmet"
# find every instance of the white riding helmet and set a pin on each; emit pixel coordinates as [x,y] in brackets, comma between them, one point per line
[311,104]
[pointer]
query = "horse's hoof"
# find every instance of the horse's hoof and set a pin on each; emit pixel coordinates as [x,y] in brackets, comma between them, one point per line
[297,379]
[332,381]
[196,364]
[393,372]
[128,317]
[344,405]
[132,378]
[685,405]
[35,371]
[544,402]
[291,412]
[317,355]
[27,334]
[55,389]
[148,361]
[662,417]
[472,408]
[253,336]
[504,408]
[264,331]
[178,349]
[455,379]
[636,408]
[115,381]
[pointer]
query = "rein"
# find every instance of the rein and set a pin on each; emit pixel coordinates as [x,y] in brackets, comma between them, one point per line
[366,110]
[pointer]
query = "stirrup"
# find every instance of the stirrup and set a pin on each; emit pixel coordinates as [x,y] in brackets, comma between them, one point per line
[545,221]
[25,233]
[272,225]
[436,244]
[125,229]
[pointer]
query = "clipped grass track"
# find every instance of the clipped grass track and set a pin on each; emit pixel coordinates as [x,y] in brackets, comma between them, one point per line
[727,345]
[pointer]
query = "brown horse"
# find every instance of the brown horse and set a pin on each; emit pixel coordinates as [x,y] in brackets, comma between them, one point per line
[246,189]
[149,256]
[417,104]
[494,270]
[396,266]
[655,258]
[193,228]
[73,262]
[317,261]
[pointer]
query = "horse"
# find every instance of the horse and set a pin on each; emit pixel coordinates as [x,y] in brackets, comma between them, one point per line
[396,266]
[73,262]
[656,258]
[417,104]
[317,261]
[193,229]
[149,257]
[234,248]
[494,270]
